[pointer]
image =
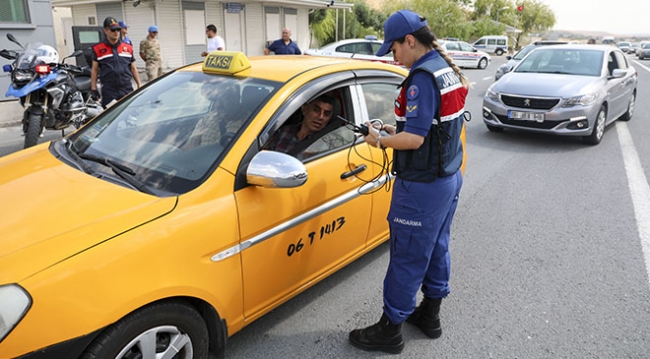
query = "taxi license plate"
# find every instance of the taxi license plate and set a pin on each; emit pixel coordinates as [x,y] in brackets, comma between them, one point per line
[526,116]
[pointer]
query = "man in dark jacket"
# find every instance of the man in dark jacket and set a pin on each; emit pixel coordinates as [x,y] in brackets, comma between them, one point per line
[114,64]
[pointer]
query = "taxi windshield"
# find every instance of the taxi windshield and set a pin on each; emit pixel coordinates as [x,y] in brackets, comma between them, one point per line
[173,133]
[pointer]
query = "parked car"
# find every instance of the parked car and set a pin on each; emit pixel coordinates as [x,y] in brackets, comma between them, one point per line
[170,226]
[624,46]
[608,40]
[465,55]
[360,49]
[514,60]
[643,51]
[577,91]
[493,44]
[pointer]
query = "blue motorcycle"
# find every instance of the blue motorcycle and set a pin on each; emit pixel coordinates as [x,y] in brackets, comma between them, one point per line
[55,95]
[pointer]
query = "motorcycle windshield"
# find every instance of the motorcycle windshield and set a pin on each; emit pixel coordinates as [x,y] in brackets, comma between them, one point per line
[29,57]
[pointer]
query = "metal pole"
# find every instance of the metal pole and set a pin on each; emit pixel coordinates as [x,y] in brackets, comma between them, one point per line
[343,24]
[354,29]
[336,31]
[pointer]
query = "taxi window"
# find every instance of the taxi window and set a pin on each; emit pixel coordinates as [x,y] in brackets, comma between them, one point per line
[173,133]
[331,135]
[380,100]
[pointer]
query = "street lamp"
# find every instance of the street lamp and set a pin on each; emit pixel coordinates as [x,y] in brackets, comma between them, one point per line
[499,10]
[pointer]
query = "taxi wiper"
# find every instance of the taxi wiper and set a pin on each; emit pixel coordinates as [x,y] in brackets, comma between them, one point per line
[74,153]
[119,169]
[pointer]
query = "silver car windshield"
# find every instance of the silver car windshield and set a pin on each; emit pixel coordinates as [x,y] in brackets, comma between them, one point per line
[173,133]
[563,61]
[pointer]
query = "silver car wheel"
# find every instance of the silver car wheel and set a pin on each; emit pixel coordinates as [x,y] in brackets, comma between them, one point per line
[598,129]
[160,342]
[600,125]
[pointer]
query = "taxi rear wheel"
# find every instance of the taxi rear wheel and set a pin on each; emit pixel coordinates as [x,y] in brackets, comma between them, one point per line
[169,330]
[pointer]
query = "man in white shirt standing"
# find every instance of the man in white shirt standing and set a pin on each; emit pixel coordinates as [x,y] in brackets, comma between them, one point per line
[215,42]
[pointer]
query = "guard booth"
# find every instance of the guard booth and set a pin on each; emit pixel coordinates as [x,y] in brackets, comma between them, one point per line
[84,38]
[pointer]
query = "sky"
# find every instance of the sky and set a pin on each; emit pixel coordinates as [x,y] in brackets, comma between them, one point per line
[625,17]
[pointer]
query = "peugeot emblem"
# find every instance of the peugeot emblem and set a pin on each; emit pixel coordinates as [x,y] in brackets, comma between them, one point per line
[527,102]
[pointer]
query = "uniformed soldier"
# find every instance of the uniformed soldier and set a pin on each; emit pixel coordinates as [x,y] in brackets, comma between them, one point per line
[427,156]
[150,53]
[114,64]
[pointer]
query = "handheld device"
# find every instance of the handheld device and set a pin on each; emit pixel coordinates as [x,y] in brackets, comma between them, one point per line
[362,129]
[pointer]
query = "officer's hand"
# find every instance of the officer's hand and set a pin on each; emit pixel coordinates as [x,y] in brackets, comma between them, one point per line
[94,94]
[390,129]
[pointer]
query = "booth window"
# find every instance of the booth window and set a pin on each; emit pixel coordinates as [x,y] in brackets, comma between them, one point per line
[14,11]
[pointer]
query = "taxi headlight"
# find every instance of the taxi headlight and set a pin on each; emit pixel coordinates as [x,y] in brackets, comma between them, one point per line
[583,100]
[14,303]
[492,94]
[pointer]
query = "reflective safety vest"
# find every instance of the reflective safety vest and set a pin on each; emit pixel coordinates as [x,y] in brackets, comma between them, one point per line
[114,65]
[441,153]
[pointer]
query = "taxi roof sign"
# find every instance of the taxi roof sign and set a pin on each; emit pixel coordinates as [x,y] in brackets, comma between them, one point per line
[225,62]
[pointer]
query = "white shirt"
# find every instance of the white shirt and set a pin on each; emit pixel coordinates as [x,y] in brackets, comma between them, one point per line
[216,43]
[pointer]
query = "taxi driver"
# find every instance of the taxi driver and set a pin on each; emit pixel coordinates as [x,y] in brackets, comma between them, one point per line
[293,138]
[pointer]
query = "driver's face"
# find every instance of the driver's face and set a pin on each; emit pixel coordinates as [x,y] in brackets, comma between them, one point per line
[316,115]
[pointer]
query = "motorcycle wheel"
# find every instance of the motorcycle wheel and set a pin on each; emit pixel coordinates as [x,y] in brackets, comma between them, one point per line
[32,130]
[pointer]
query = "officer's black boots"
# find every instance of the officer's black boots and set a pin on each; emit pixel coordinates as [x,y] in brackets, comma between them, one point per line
[426,317]
[383,336]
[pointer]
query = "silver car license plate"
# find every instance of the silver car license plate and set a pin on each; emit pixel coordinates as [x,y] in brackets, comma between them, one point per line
[526,116]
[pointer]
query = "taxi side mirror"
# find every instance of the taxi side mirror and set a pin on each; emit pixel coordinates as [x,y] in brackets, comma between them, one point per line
[270,169]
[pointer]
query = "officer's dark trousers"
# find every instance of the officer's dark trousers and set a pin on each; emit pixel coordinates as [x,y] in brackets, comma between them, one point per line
[112,92]
[420,219]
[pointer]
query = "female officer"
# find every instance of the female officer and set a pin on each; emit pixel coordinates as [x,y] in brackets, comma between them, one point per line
[427,155]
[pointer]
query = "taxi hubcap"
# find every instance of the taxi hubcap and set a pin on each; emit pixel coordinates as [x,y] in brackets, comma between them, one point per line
[159,342]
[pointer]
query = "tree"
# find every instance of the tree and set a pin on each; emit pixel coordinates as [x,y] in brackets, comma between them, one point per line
[321,26]
[535,17]
[446,18]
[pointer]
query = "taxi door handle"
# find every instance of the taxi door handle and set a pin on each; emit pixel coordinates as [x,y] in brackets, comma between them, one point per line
[355,171]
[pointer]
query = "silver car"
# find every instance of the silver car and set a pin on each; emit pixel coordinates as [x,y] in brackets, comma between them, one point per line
[571,90]
[643,51]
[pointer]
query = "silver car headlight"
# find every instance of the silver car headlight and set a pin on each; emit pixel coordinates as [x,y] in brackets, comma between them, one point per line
[14,303]
[504,69]
[492,94]
[583,100]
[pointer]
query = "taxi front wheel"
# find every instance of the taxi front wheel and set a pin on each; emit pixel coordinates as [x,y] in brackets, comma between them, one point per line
[164,330]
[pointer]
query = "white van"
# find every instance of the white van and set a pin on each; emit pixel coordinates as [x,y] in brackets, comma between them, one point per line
[495,44]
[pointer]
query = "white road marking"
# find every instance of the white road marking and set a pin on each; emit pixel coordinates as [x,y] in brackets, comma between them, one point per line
[639,189]
[487,78]
[642,65]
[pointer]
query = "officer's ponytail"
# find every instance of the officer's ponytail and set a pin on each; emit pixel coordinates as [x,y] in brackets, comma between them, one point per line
[426,37]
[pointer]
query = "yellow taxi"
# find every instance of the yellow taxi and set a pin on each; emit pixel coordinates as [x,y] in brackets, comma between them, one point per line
[145,235]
